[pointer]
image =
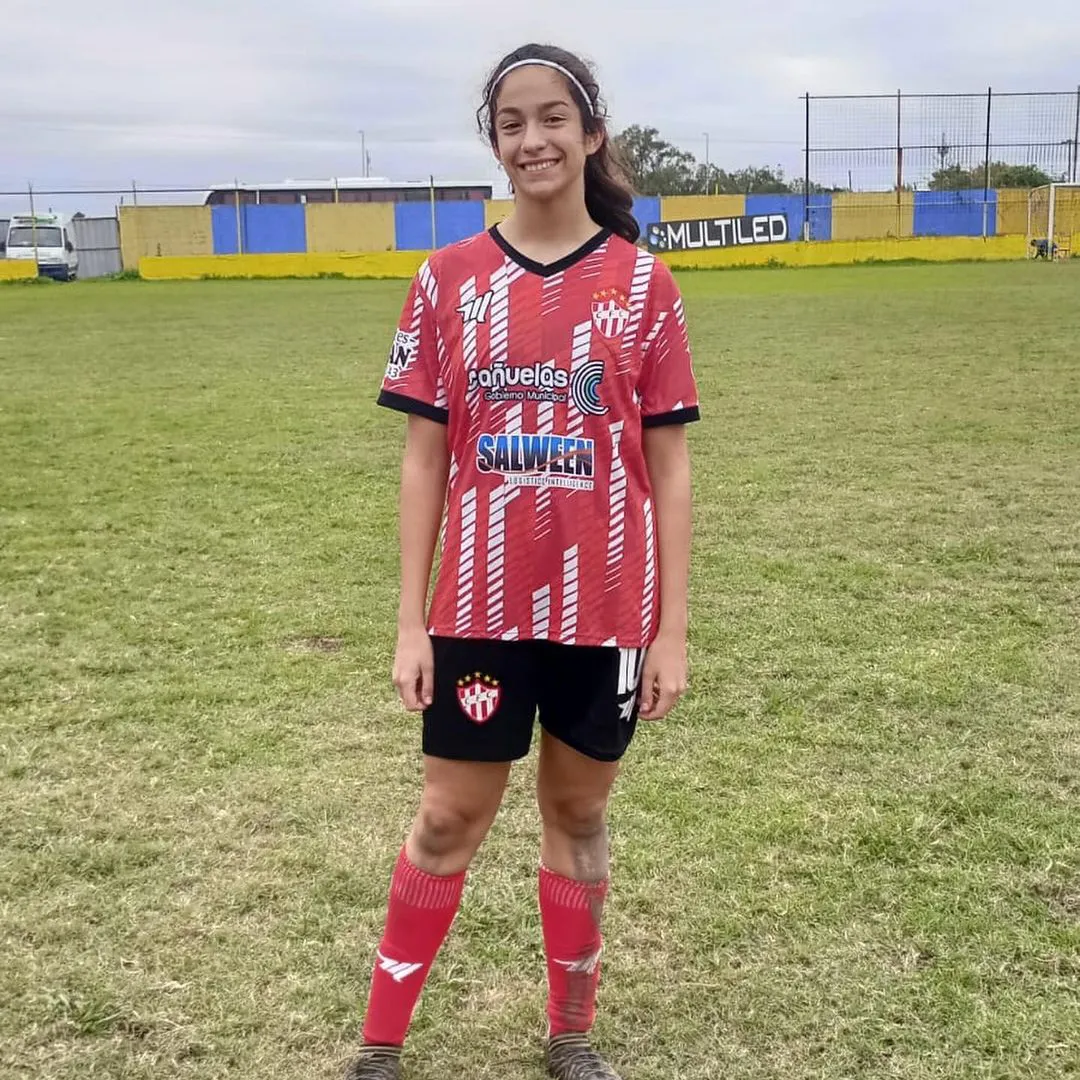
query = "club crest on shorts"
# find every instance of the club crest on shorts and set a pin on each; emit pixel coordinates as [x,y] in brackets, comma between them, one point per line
[610,312]
[479,696]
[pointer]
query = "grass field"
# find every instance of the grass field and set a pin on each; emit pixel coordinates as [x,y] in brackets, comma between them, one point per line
[853,852]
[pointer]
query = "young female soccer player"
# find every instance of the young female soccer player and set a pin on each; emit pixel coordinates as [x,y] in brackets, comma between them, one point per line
[546,375]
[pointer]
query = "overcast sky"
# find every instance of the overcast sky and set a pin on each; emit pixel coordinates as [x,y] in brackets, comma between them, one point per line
[95,94]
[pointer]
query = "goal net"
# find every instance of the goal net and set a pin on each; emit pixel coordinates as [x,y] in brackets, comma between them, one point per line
[1054,221]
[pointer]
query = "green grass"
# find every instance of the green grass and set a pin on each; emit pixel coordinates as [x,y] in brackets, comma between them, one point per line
[853,852]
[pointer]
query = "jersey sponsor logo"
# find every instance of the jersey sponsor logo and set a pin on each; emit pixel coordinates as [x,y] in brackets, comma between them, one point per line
[610,312]
[515,382]
[476,311]
[479,696]
[585,388]
[533,460]
[402,353]
[541,382]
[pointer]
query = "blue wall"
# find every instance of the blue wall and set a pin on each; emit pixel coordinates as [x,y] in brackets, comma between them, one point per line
[795,208]
[647,211]
[275,228]
[954,213]
[223,228]
[453,221]
[265,229]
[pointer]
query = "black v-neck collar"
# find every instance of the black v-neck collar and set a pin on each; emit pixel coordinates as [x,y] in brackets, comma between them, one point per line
[547,269]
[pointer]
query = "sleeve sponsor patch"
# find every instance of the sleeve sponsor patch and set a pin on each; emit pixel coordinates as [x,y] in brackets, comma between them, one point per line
[402,353]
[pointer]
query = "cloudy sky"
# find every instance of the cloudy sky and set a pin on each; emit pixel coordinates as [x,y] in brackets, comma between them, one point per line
[198,92]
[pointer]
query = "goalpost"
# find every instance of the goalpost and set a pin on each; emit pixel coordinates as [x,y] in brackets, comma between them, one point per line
[1053,220]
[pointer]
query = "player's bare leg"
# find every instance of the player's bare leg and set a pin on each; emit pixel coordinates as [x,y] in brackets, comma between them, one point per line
[457,806]
[572,791]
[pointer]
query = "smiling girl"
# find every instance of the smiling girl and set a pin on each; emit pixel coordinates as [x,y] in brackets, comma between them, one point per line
[545,371]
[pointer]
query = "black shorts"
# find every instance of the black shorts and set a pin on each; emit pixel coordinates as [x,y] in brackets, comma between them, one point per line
[488,695]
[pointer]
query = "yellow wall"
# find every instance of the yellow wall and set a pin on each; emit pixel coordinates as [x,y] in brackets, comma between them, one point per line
[1012,212]
[349,226]
[846,252]
[164,230]
[496,210]
[696,207]
[16,269]
[365,264]
[1066,212]
[862,215]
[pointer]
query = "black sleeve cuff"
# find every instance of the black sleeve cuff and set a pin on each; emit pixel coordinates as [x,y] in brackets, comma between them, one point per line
[679,416]
[404,404]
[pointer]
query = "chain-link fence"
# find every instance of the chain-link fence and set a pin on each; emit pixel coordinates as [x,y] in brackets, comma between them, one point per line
[937,164]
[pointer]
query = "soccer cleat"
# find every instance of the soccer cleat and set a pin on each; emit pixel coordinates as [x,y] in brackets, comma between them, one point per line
[570,1057]
[375,1063]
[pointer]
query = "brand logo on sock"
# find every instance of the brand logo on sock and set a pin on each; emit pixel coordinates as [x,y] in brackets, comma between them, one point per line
[396,969]
[586,966]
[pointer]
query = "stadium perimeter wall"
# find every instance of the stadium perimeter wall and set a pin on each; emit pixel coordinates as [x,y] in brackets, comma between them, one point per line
[385,227]
[361,264]
[404,264]
[17,269]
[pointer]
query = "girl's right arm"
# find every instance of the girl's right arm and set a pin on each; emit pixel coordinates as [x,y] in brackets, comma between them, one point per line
[424,472]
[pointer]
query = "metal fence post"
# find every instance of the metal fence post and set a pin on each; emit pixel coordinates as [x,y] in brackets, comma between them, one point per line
[899,164]
[806,180]
[1076,137]
[33,221]
[986,166]
[434,235]
[239,227]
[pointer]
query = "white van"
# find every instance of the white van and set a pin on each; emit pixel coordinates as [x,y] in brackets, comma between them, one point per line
[47,237]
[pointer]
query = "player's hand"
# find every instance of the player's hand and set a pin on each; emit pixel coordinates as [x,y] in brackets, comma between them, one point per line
[414,668]
[663,679]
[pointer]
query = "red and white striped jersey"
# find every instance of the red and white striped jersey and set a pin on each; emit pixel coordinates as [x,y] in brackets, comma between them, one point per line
[546,377]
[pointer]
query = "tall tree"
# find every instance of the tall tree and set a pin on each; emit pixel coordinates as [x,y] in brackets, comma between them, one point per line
[657,167]
[957,178]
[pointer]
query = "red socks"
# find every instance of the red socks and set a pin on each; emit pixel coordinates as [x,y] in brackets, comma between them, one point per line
[419,914]
[570,914]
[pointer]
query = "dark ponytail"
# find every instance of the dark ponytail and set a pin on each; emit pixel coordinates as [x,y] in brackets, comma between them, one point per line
[609,197]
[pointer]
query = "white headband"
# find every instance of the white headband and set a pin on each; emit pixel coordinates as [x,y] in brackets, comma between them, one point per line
[544,63]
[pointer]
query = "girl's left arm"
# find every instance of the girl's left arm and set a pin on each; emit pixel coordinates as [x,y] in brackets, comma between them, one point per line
[667,457]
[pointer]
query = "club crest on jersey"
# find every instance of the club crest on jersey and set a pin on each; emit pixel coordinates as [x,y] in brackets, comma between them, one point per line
[610,312]
[530,460]
[479,696]
[402,353]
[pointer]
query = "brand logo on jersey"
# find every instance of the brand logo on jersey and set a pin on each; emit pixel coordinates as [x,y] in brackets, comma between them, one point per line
[538,460]
[476,310]
[585,388]
[542,382]
[610,312]
[631,665]
[479,697]
[402,353]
